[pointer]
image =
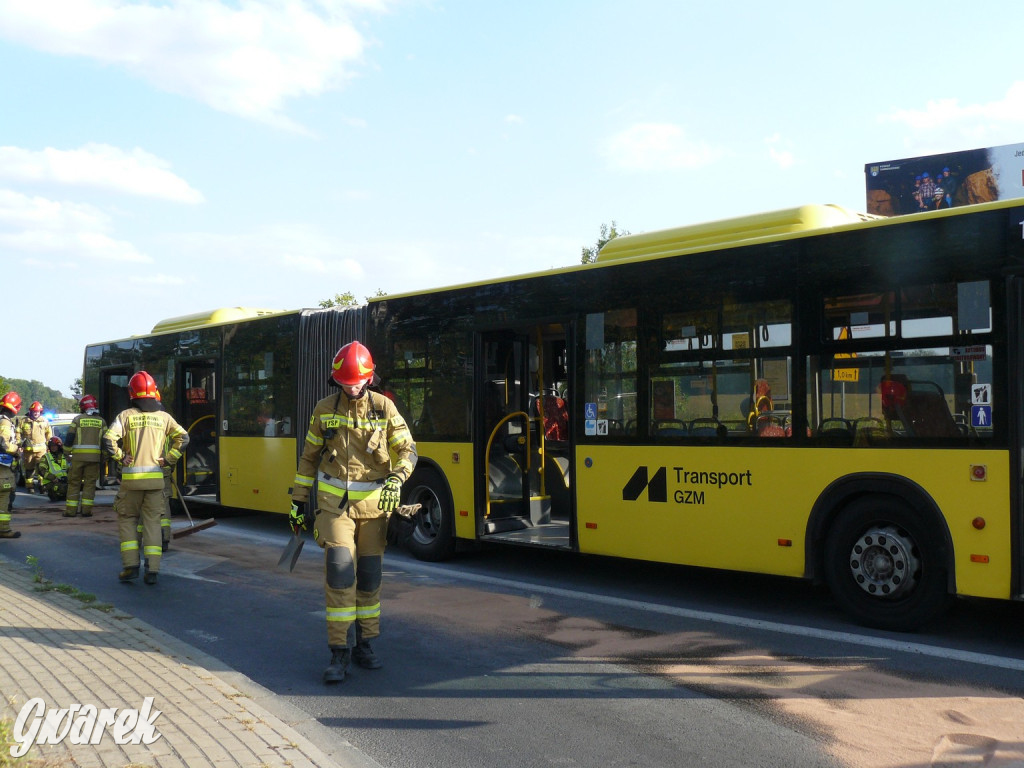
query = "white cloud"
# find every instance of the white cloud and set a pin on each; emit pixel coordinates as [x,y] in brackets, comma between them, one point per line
[657,146]
[245,58]
[277,251]
[781,157]
[53,229]
[991,122]
[99,166]
[514,119]
[159,280]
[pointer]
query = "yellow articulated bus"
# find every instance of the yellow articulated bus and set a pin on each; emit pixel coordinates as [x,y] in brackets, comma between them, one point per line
[810,393]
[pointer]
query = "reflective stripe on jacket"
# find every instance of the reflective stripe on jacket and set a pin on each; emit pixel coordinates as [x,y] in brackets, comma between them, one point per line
[84,436]
[352,445]
[147,437]
[53,469]
[8,436]
[35,434]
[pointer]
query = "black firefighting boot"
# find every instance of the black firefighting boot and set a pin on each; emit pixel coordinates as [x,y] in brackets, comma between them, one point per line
[9,534]
[340,658]
[150,577]
[363,654]
[129,573]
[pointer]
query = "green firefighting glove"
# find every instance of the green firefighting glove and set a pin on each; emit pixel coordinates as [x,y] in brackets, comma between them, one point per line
[297,517]
[390,494]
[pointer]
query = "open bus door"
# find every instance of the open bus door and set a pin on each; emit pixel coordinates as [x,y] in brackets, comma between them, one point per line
[523,436]
[1015,364]
[113,398]
[198,398]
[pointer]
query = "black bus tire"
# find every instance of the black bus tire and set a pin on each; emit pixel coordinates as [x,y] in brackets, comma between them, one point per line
[885,565]
[433,537]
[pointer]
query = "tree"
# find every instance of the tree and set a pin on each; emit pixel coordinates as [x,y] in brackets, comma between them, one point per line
[589,255]
[51,399]
[76,389]
[347,299]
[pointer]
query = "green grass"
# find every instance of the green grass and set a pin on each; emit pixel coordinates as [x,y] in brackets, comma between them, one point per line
[43,584]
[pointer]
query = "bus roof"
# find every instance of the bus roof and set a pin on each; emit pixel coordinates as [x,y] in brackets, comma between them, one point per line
[217,316]
[664,242]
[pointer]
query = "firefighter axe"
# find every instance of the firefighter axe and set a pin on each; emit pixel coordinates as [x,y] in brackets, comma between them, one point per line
[192,525]
[291,553]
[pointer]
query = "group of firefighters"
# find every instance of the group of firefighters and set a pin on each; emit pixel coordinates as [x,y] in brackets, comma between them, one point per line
[67,470]
[41,453]
[358,451]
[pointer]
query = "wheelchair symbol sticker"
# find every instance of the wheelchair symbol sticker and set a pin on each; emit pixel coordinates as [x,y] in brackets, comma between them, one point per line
[590,411]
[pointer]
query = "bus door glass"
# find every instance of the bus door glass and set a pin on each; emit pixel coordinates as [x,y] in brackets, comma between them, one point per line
[199,417]
[504,430]
[1015,365]
[113,398]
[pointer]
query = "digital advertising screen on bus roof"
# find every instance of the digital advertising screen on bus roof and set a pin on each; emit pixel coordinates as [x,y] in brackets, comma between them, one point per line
[916,184]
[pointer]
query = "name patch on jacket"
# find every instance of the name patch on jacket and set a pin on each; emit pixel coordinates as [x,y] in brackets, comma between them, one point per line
[141,420]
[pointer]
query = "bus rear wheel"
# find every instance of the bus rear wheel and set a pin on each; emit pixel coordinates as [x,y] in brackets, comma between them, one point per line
[885,566]
[433,537]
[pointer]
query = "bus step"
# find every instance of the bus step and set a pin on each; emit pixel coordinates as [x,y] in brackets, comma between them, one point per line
[503,524]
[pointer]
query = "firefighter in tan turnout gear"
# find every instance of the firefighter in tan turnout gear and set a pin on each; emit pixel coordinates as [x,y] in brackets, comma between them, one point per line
[353,436]
[35,436]
[10,404]
[83,444]
[144,439]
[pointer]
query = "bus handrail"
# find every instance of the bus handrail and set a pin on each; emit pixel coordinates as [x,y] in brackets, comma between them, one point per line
[487,455]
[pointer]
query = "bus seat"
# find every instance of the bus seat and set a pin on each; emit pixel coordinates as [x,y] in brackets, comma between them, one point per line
[736,426]
[919,406]
[836,431]
[556,417]
[770,426]
[670,428]
[926,412]
[707,428]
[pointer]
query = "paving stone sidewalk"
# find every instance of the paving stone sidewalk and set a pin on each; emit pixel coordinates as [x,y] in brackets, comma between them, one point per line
[55,647]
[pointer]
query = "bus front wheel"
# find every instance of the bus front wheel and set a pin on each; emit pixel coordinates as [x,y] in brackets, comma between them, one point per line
[885,566]
[433,537]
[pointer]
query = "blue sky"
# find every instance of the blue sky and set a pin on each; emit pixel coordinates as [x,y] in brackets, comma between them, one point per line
[164,158]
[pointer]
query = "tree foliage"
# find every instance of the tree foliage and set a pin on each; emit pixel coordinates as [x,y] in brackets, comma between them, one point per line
[31,391]
[589,255]
[347,299]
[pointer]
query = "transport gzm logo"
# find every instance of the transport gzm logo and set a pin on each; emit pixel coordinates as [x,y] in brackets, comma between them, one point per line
[657,486]
[689,486]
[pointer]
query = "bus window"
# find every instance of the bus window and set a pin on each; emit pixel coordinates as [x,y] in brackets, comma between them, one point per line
[259,371]
[610,372]
[908,393]
[431,376]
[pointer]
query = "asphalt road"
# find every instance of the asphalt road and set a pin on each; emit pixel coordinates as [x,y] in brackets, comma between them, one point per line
[531,658]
